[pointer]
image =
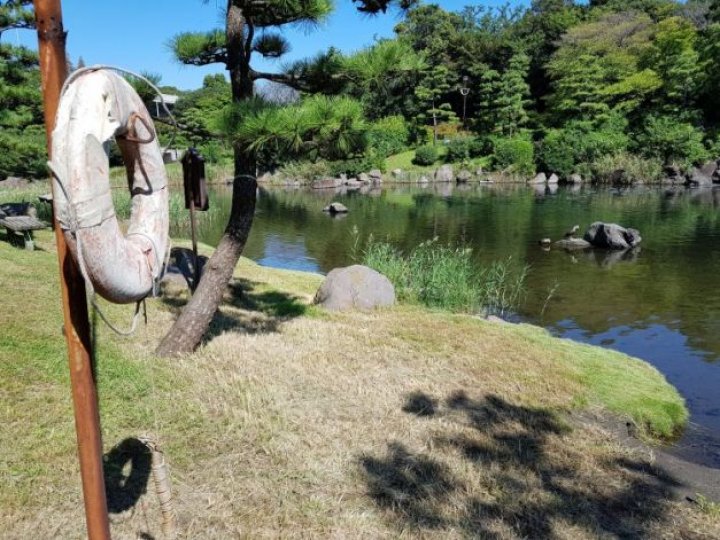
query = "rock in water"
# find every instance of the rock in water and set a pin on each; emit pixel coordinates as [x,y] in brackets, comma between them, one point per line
[572,244]
[553,179]
[336,208]
[540,178]
[612,236]
[444,173]
[355,287]
[702,176]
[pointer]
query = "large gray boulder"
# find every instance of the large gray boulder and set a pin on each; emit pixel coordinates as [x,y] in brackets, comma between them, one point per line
[540,178]
[553,179]
[444,173]
[703,176]
[364,178]
[327,183]
[463,177]
[375,176]
[336,208]
[612,236]
[574,178]
[355,287]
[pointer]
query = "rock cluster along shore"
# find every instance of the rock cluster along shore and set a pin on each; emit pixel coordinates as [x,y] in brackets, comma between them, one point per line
[375,178]
[706,175]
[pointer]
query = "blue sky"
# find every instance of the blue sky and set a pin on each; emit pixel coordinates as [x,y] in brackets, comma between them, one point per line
[134,34]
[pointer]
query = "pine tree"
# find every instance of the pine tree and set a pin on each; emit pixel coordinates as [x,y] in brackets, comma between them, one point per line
[432,87]
[22,141]
[504,97]
[249,29]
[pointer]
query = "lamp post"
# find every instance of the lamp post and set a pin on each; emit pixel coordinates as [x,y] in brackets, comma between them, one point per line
[464,91]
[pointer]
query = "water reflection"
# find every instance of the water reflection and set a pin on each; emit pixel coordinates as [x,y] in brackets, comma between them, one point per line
[660,302]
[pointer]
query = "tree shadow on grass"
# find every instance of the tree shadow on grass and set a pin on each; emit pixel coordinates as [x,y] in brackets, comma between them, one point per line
[247,309]
[500,470]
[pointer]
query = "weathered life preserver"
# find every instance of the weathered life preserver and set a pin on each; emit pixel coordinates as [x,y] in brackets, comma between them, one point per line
[96,107]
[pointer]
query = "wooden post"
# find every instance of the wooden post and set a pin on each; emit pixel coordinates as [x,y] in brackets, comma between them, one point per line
[53,66]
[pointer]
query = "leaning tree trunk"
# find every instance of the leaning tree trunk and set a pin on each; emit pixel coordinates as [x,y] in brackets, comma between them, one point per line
[192,324]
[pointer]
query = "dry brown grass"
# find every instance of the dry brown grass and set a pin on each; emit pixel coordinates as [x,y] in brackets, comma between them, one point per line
[291,422]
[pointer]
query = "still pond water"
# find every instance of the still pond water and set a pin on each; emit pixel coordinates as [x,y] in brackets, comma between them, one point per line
[660,302]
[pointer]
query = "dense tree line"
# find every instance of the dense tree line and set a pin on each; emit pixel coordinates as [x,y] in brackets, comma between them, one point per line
[560,86]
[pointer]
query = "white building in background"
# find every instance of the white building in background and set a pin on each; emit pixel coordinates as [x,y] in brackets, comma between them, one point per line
[170,101]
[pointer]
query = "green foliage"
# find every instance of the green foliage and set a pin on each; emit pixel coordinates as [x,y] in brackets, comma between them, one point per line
[388,135]
[22,152]
[633,168]
[319,127]
[305,170]
[425,155]
[354,166]
[22,133]
[676,60]
[458,149]
[514,154]
[665,138]
[504,97]
[432,86]
[141,86]
[447,278]
[580,143]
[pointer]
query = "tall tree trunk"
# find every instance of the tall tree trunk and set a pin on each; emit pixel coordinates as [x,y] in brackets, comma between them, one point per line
[192,324]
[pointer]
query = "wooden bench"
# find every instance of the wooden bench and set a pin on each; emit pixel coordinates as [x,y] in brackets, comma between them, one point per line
[24,225]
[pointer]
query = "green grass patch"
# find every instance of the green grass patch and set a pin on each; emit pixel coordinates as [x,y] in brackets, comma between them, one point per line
[446,277]
[622,384]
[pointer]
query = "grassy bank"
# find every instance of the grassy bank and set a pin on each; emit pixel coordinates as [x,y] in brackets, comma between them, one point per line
[294,422]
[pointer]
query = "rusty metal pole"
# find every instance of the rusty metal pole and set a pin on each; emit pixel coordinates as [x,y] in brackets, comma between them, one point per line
[53,66]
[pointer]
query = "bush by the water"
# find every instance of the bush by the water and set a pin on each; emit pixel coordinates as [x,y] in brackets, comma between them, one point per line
[575,147]
[458,149]
[634,168]
[305,170]
[357,165]
[425,155]
[388,135]
[448,278]
[515,154]
[672,142]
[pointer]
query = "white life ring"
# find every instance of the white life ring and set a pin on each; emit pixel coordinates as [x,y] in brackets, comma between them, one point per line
[96,107]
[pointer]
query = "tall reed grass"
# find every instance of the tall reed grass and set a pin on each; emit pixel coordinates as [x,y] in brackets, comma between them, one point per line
[448,277]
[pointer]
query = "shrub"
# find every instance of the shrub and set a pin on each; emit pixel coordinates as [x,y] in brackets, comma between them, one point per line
[635,168]
[576,146]
[447,277]
[515,154]
[307,170]
[22,152]
[672,141]
[458,149]
[355,166]
[479,147]
[425,155]
[388,136]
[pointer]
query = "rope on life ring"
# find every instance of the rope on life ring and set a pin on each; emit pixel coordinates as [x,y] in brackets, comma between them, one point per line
[97,106]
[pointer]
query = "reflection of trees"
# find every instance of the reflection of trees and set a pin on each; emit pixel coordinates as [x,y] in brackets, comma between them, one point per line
[672,278]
